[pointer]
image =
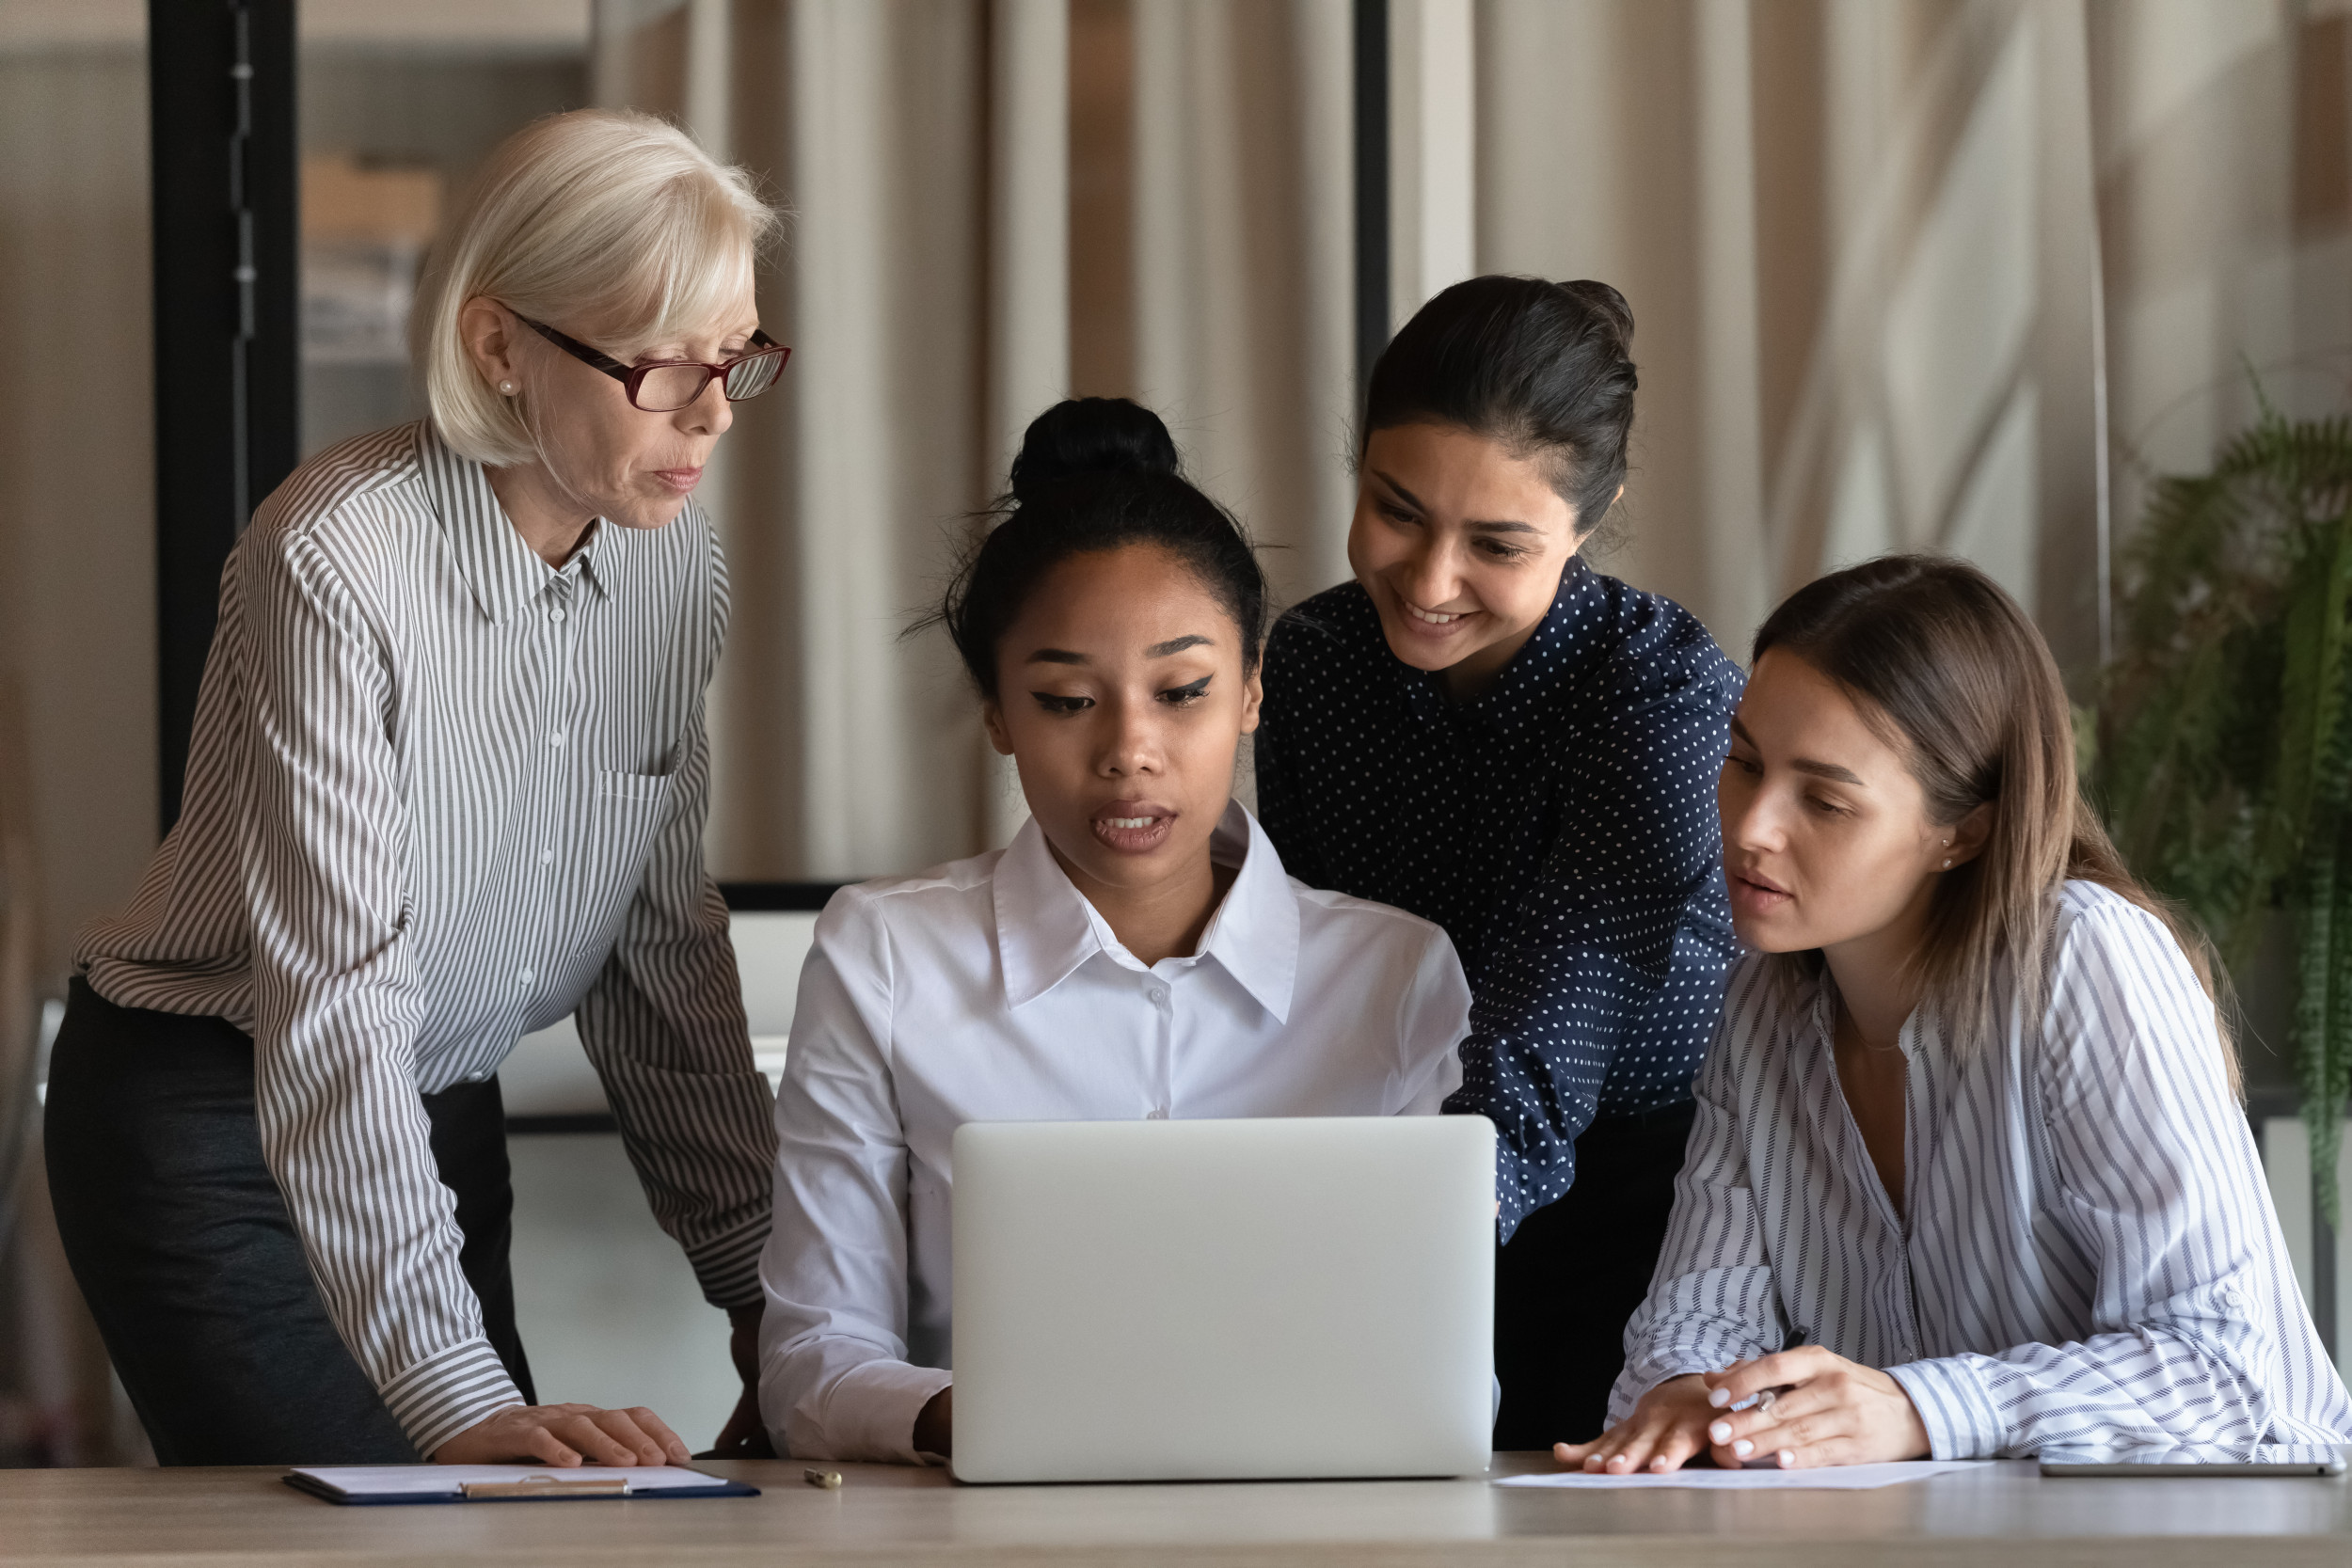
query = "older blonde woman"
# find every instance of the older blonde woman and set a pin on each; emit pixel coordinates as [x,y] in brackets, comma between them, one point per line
[447,787]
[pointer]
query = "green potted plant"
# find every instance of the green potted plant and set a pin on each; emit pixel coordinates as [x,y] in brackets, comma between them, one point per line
[2224,750]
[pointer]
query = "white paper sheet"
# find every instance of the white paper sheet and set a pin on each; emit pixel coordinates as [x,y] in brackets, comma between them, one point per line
[1835,1478]
[378,1480]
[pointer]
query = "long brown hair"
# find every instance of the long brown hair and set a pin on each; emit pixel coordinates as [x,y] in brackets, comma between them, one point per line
[1946,668]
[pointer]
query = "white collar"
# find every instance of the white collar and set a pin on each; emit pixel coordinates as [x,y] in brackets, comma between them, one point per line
[1045,927]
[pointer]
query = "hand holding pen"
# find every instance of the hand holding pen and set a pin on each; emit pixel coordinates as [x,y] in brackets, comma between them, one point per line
[1808,1406]
[1796,1408]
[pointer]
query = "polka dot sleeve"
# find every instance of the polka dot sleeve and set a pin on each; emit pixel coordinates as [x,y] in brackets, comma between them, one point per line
[1561,827]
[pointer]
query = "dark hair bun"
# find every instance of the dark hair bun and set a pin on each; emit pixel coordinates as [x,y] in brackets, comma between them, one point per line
[1605,302]
[1095,474]
[1092,436]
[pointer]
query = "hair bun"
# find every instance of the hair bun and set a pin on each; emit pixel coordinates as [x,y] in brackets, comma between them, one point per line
[1606,302]
[1092,436]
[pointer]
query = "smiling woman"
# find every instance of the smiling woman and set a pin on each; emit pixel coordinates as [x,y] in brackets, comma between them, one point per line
[1136,953]
[1483,730]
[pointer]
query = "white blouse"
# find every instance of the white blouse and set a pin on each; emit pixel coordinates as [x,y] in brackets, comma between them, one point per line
[2089,1253]
[990,990]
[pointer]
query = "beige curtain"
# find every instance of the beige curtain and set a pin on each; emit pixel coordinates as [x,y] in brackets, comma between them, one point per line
[1858,242]
[939,200]
[2225,202]
[1907,273]
[1926,273]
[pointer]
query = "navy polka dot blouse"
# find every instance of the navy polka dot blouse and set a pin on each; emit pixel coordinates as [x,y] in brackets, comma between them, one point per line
[1562,829]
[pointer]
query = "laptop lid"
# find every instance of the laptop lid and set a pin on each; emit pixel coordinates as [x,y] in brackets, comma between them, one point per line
[1199,1300]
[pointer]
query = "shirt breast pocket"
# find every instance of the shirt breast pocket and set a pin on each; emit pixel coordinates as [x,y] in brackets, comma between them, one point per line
[624,814]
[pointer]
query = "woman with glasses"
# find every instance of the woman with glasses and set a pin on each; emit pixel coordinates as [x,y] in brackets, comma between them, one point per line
[447,787]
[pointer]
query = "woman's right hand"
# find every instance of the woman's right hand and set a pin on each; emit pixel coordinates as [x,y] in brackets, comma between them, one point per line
[564,1436]
[1667,1430]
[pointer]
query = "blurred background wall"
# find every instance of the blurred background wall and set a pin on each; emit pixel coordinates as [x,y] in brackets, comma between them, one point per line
[1907,273]
[1959,273]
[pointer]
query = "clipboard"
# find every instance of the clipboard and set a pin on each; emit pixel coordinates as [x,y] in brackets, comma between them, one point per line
[393,1485]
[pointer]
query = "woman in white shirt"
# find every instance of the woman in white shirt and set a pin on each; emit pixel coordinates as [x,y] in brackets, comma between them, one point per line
[1970,1176]
[1135,953]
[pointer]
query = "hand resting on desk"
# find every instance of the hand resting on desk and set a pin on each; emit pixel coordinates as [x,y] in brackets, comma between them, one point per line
[1832,1411]
[564,1436]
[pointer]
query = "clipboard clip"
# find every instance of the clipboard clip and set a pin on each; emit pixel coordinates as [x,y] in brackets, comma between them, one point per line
[544,1489]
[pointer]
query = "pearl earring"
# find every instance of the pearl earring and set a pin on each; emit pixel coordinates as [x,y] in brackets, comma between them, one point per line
[507,386]
[1947,862]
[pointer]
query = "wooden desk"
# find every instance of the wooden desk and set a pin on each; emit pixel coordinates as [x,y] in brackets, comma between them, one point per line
[2006,1514]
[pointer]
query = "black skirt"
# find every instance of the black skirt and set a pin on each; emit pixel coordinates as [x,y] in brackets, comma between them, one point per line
[1573,1273]
[182,1243]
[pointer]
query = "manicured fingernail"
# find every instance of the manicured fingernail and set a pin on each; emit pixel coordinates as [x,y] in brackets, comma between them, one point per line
[1657,1465]
[1721,1432]
[1743,1448]
[1719,1397]
[1592,1462]
[1788,1460]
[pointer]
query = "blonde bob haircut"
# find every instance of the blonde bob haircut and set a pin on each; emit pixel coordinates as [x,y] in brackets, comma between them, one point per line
[611,223]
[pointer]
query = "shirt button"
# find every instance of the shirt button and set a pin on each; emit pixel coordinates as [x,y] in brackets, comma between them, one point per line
[555,615]
[556,738]
[525,977]
[1159,993]
[546,857]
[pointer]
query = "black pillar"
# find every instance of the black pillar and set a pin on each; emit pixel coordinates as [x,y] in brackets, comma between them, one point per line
[221,110]
[1372,189]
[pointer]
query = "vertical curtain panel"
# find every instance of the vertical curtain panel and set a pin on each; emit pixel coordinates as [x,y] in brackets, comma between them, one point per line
[1907,274]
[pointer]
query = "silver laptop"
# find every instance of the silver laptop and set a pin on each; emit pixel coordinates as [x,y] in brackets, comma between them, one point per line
[1221,1300]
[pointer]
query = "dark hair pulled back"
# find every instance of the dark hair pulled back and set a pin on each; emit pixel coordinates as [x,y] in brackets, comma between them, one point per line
[1543,368]
[1096,474]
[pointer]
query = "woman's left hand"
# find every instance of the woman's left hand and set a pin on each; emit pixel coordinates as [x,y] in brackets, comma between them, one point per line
[746,1433]
[1833,1411]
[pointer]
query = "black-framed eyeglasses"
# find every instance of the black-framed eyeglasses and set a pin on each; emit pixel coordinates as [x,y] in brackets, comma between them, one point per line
[666,386]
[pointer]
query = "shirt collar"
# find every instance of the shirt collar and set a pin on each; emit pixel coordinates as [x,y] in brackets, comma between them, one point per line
[503,573]
[1045,928]
[1254,933]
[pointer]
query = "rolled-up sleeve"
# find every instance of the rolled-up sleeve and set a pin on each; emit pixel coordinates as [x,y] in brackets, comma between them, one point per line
[337,999]
[835,1378]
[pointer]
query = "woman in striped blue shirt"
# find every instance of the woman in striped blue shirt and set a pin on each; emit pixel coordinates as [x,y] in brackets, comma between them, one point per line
[1969,1175]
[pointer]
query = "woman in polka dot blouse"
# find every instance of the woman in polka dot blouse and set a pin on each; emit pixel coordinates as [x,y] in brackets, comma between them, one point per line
[1483,730]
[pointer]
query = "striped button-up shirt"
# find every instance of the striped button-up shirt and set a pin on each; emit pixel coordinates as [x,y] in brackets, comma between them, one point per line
[441,794]
[2090,1255]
